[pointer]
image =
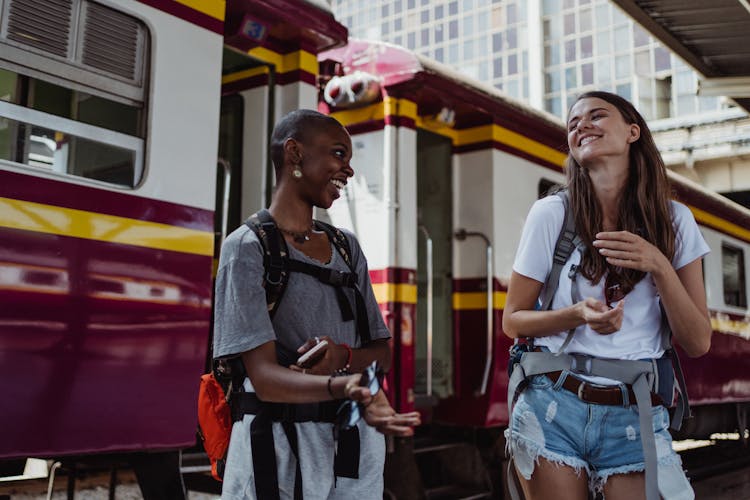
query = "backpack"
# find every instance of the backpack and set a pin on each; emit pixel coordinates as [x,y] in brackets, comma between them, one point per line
[221,399]
[214,423]
[524,363]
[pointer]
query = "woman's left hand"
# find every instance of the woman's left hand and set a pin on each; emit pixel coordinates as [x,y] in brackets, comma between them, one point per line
[628,250]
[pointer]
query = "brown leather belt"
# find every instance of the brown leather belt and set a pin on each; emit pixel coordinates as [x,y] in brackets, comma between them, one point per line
[592,393]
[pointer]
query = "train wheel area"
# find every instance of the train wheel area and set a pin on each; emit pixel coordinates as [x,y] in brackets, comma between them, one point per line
[135,476]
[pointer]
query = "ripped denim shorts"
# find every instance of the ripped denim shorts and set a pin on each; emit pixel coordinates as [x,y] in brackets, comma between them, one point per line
[551,422]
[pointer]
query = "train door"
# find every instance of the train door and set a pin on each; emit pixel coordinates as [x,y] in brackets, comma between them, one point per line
[228,174]
[434,347]
[242,170]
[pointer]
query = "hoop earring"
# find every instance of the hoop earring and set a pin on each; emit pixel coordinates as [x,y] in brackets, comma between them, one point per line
[297,173]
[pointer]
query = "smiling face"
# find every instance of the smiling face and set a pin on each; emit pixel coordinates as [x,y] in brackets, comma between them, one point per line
[325,166]
[597,131]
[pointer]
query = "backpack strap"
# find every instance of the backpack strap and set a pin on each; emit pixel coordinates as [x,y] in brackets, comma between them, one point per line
[275,251]
[567,242]
[638,374]
[278,265]
[339,240]
[682,405]
[341,243]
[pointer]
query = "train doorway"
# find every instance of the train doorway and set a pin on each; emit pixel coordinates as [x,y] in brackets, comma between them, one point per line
[229,172]
[434,344]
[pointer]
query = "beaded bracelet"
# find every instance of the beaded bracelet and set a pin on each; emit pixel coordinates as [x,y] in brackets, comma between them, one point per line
[347,366]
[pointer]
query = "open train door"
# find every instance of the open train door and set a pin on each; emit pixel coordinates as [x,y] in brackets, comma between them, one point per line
[434,347]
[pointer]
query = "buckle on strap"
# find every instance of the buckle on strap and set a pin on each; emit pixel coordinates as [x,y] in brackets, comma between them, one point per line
[336,278]
[581,363]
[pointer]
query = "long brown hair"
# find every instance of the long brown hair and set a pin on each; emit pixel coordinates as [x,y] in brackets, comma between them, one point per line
[644,205]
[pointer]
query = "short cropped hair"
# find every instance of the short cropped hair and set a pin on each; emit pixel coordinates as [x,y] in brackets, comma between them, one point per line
[299,125]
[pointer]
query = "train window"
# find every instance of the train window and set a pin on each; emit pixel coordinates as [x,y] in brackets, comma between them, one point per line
[77,103]
[733,273]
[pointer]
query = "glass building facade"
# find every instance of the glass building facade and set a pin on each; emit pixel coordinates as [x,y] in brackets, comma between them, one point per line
[544,52]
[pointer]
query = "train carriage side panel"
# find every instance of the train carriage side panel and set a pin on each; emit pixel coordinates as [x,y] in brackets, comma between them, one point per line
[721,376]
[109,288]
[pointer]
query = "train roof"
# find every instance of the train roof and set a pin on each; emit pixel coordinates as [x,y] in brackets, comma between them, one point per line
[433,86]
[283,25]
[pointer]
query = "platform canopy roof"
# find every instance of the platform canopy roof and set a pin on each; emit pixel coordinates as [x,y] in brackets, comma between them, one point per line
[712,36]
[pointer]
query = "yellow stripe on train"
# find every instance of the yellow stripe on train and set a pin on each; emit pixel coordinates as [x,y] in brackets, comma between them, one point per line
[284,63]
[465,301]
[395,292]
[484,133]
[407,294]
[212,8]
[724,225]
[30,216]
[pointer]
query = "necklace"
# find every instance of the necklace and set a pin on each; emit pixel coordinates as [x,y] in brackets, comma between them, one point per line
[301,236]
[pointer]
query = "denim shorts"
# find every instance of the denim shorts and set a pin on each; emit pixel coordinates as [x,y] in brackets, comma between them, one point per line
[551,422]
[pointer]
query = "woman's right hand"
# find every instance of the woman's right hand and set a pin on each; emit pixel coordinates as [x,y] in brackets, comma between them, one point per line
[599,317]
[332,358]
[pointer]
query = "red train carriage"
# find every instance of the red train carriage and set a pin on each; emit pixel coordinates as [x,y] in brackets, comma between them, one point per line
[106,223]
[111,123]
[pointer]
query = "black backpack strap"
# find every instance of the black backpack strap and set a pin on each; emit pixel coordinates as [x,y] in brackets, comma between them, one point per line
[264,457]
[291,435]
[339,240]
[341,243]
[275,252]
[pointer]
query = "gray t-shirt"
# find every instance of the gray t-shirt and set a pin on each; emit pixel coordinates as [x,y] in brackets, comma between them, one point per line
[308,308]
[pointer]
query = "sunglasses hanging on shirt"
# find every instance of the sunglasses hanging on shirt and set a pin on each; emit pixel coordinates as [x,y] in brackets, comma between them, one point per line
[350,412]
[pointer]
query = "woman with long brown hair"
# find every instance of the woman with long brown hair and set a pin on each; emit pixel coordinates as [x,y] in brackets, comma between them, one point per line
[639,258]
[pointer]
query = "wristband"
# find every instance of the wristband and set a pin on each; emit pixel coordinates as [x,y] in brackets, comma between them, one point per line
[330,390]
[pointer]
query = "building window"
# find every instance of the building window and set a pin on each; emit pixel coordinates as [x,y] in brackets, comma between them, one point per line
[497,42]
[733,274]
[570,51]
[661,59]
[587,74]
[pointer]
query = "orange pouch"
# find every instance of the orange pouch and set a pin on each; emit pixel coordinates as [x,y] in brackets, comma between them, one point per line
[214,422]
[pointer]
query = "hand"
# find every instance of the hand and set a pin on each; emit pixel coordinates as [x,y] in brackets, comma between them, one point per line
[332,357]
[625,249]
[378,411]
[601,318]
[380,414]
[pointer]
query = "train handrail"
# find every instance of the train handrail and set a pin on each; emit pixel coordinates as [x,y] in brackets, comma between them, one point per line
[461,235]
[221,162]
[430,306]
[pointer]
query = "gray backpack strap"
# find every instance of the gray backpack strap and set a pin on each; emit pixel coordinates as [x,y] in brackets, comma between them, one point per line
[682,405]
[567,241]
[575,296]
[640,375]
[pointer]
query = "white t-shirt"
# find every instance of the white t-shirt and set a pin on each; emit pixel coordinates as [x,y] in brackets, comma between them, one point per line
[638,337]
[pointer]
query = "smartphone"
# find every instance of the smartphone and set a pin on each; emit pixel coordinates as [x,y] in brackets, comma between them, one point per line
[312,353]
